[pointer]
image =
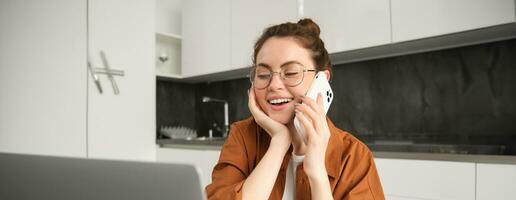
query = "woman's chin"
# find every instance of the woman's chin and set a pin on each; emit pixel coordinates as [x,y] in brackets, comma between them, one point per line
[281,118]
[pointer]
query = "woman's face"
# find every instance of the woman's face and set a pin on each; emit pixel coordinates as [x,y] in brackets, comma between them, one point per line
[276,52]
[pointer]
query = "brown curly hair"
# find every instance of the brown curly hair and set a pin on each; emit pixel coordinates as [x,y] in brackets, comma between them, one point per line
[306,32]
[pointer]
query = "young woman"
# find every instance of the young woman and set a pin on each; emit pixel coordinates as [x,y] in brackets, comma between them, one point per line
[264,157]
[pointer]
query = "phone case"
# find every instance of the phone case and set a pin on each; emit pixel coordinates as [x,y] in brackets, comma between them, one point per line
[319,85]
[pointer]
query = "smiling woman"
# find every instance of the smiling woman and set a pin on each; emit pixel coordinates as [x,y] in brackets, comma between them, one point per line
[265,157]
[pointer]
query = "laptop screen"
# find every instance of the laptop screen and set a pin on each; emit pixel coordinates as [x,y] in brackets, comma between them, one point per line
[47,177]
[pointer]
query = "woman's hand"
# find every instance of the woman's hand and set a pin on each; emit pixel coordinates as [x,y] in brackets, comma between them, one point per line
[278,132]
[312,116]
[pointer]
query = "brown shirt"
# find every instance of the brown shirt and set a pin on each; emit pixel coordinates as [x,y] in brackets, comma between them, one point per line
[349,164]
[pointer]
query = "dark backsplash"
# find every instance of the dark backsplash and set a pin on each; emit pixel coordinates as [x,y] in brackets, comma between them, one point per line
[464,95]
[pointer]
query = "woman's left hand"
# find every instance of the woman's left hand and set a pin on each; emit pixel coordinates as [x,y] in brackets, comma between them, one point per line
[312,116]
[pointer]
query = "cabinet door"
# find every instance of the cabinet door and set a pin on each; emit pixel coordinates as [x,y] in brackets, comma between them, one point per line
[204,159]
[496,181]
[122,126]
[424,179]
[43,77]
[206,37]
[248,20]
[415,19]
[351,24]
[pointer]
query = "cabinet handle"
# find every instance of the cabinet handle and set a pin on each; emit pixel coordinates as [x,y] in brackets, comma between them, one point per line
[94,76]
[106,71]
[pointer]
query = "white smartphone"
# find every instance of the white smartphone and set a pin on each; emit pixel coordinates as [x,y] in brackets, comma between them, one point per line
[319,85]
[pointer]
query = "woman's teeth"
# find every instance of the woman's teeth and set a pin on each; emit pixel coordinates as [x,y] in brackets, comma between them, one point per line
[280,101]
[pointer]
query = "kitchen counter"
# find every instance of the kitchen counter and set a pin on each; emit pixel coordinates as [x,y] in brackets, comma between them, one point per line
[393,151]
[197,144]
[491,159]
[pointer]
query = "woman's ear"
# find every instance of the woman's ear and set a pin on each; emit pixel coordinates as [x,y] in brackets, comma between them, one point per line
[327,73]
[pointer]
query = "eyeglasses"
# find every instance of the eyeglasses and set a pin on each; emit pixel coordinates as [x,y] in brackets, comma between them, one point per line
[291,74]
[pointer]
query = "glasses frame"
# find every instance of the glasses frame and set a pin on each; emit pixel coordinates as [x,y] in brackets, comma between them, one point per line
[252,74]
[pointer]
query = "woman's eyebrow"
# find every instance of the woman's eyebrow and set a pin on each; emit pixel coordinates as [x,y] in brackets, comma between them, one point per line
[263,65]
[290,62]
[282,65]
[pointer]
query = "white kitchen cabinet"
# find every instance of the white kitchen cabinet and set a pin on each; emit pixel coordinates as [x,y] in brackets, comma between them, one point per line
[219,36]
[351,24]
[168,38]
[416,19]
[204,159]
[206,37]
[43,77]
[424,179]
[49,103]
[496,181]
[168,55]
[168,16]
[249,19]
[122,126]
[393,197]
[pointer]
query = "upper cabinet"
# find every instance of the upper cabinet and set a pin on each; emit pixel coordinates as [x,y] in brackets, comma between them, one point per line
[351,24]
[248,20]
[206,37]
[219,35]
[416,19]
[168,38]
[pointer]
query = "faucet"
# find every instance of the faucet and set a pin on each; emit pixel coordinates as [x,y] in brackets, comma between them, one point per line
[226,115]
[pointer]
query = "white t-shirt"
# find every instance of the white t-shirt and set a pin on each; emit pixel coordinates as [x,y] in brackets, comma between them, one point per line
[290,187]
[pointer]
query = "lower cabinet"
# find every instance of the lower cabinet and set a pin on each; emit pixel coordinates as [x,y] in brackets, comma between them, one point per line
[423,179]
[204,159]
[496,181]
[402,179]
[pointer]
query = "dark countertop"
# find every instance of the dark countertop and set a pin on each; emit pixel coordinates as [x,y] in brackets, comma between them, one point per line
[202,143]
[439,152]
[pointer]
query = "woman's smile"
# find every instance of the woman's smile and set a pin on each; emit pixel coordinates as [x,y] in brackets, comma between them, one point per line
[279,104]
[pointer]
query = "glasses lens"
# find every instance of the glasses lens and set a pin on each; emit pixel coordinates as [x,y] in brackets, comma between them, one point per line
[292,74]
[261,77]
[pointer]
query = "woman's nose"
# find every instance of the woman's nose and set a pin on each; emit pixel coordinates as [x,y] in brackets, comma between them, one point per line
[276,82]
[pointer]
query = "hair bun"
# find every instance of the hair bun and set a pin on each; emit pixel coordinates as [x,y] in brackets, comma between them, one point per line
[310,25]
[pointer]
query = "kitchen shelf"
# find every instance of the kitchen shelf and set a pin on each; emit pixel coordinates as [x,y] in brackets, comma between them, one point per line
[169,35]
[168,55]
[168,75]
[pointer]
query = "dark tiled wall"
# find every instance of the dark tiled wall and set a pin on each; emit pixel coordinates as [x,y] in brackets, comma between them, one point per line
[181,104]
[175,104]
[464,95]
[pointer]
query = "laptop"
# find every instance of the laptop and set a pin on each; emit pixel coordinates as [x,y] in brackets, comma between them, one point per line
[48,177]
